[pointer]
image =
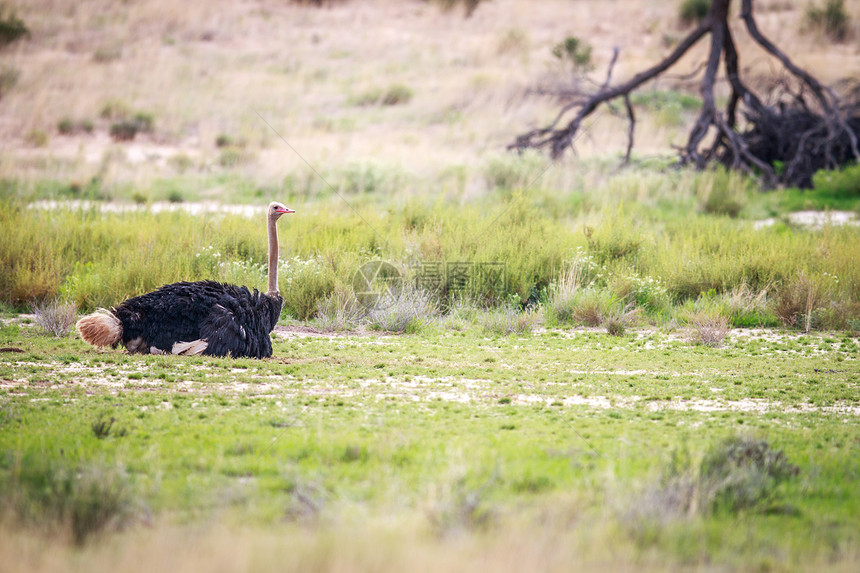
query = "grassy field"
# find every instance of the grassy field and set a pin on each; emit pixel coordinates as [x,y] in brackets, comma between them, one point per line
[664,378]
[446,448]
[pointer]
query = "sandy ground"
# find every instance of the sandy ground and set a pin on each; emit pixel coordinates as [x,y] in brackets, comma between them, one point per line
[117,378]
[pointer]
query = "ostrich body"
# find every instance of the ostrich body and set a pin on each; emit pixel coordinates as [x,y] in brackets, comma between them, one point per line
[203,317]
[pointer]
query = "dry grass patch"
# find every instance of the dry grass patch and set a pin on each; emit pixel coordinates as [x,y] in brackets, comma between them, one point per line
[709,329]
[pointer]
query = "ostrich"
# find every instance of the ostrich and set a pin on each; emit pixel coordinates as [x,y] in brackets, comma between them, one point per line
[203,317]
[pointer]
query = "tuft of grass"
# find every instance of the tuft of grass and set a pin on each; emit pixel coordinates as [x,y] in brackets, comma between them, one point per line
[397,94]
[709,329]
[832,20]
[107,54]
[407,310]
[509,320]
[54,317]
[339,311]
[102,427]
[616,320]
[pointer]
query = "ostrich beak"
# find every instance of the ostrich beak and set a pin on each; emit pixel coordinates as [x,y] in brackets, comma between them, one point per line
[284,210]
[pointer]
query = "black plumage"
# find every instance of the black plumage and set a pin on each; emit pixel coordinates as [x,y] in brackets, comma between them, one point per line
[231,319]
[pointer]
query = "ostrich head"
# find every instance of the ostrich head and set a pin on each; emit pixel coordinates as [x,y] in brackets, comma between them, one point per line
[276,210]
[272,215]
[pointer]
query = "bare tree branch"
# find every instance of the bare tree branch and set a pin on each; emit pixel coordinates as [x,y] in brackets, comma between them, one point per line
[788,133]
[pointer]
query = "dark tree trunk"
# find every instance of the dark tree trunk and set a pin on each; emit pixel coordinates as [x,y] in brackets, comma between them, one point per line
[783,144]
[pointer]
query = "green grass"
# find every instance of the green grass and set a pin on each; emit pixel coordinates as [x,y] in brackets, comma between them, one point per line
[445,432]
[634,237]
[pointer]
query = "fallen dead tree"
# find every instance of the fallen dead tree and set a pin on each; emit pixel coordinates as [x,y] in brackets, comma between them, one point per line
[807,128]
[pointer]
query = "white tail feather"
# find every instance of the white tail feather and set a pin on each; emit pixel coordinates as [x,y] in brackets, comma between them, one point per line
[101,328]
[190,348]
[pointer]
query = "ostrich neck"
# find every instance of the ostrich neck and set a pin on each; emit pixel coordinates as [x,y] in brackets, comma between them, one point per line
[273,258]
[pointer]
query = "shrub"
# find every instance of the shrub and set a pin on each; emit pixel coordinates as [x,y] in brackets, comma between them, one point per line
[124,130]
[738,474]
[396,95]
[12,28]
[742,474]
[79,500]
[845,181]
[175,196]
[308,283]
[469,6]
[224,140]
[796,299]
[693,11]
[145,121]
[54,317]
[69,126]
[574,53]
[832,19]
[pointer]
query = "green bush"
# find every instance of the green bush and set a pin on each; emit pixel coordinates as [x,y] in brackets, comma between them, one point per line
[743,474]
[469,6]
[396,95]
[12,28]
[78,500]
[305,285]
[832,19]
[574,53]
[125,130]
[693,11]
[845,181]
[69,126]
